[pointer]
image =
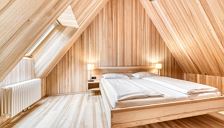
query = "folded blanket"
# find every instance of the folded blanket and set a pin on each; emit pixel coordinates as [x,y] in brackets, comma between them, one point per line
[127,90]
[201,90]
[182,86]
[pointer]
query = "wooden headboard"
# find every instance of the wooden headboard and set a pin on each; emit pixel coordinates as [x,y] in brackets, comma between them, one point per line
[98,71]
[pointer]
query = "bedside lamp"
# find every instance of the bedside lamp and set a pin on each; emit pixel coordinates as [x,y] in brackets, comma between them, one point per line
[90,67]
[158,67]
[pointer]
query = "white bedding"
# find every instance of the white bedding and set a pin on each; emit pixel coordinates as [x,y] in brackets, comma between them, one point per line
[182,86]
[126,90]
[169,95]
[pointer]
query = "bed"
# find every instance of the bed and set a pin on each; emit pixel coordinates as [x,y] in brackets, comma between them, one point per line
[173,104]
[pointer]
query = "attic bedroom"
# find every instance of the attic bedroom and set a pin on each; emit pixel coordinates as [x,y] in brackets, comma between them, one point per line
[111,63]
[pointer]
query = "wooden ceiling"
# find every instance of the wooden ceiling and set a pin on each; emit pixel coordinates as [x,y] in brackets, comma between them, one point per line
[193,30]
[34,18]
[63,38]
[21,23]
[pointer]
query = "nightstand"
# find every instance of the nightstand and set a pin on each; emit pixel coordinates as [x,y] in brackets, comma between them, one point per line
[94,86]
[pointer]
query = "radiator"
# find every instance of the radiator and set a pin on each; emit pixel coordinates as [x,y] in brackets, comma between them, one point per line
[17,97]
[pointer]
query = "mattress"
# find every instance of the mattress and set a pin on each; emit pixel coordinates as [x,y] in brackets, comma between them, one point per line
[170,95]
[182,86]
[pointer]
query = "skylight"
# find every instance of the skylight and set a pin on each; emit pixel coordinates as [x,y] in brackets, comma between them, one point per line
[40,40]
[67,18]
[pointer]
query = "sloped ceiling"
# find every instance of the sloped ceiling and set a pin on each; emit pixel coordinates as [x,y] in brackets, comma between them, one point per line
[193,30]
[62,39]
[21,23]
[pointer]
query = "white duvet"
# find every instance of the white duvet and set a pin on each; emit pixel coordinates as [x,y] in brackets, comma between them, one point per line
[123,94]
[126,89]
[182,86]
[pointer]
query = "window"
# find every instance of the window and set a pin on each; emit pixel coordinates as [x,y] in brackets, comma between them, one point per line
[40,40]
[67,18]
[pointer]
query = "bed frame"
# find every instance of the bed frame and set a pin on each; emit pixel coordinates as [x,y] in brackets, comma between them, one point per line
[147,114]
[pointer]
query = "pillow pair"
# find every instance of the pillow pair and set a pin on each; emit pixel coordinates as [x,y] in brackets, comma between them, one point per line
[115,76]
[141,75]
[137,75]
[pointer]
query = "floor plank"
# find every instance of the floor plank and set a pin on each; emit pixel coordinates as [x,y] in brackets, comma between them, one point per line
[85,111]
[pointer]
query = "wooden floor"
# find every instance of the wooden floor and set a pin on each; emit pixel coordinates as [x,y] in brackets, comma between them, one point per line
[85,111]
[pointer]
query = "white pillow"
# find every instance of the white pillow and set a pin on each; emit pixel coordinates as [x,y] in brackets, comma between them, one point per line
[115,76]
[140,75]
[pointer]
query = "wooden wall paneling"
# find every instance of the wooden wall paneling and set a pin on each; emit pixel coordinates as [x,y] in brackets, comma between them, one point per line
[43,69]
[215,81]
[200,44]
[34,17]
[215,11]
[67,73]
[181,56]
[84,7]
[127,34]
[210,57]
[120,30]
[4,4]
[104,43]
[43,87]
[173,28]
[23,71]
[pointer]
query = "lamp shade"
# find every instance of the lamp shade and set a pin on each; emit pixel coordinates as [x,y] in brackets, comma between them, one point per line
[90,67]
[158,66]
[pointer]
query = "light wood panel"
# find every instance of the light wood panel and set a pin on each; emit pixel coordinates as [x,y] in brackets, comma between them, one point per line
[214,9]
[128,70]
[177,51]
[121,35]
[43,87]
[22,22]
[4,3]
[84,111]
[84,8]
[66,37]
[196,29]
[215,81]
[23,71]
[69,75]
[16,11]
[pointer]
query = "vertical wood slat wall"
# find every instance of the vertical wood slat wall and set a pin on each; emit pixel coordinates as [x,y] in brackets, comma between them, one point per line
[215,81]
[121,35]
[23,71]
